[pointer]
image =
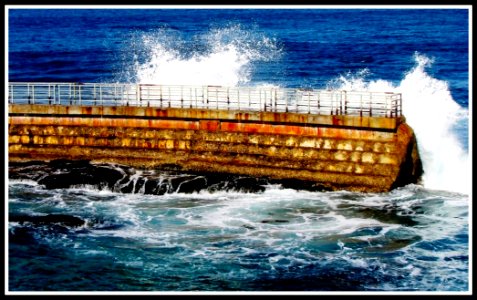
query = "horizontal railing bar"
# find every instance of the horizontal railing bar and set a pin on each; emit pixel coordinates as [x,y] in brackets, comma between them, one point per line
[274,99]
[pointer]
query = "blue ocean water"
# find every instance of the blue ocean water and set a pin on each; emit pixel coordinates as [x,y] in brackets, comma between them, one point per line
[412,239]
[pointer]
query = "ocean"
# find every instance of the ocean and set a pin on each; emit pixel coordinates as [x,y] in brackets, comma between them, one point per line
[273,239]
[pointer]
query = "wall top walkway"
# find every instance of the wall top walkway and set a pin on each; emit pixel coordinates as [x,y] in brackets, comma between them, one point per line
[249,99]
[194,114]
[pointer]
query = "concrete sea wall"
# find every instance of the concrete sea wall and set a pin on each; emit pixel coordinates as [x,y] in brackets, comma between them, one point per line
[334,152]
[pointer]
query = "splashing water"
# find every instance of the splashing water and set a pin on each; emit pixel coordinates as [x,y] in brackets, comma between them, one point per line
[219,57]
[225,56]
[432,112]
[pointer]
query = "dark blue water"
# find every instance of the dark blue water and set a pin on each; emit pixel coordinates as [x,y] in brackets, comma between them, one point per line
[414,239]
[90,45]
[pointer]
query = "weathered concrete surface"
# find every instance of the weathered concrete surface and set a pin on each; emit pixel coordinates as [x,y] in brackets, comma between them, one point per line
[204,114]
[335,152]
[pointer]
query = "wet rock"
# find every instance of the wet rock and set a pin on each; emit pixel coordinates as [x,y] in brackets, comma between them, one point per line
[229,182]
[249,184]
[387,214]
[139,184]
[154,186]
[302,185]
[248,227]
[192,185]
[124,185]
[62,173]
[65,180]
[59,219]
[105,224]
[107,175]
[33,170]
[66,174]
[275,221]
[68,164]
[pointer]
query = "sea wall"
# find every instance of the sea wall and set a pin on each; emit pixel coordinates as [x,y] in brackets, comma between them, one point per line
[334,152]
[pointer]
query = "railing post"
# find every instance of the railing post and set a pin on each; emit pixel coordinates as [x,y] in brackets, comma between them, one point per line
[10,89]
[69,94]
[275,100]
[346,103]
[28,93]
[340,105]
[260,100]
[387,106]
[49,94]
[249,91]
[182,97]
[79,94]
[170,98]
[360,105]
[94,94]
[190,97]
[196,101]
[286,100]
[139,96]
[238,98]
[228,99]
[309,95]
[296,100]
[318,99]
[400,105]
[333,104]
[161,95]
[370,104]
[100,92]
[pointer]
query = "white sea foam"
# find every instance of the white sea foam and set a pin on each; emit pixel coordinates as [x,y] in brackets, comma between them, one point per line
[222,56]
[23,181]
[225,56]
[432,112]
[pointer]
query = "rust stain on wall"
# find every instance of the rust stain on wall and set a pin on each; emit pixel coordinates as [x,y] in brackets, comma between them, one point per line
[324,149]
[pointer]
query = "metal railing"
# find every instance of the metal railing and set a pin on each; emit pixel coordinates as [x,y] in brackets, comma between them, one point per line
[273,99]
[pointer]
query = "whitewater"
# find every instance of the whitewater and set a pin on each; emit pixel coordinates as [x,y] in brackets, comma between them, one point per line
[427,102]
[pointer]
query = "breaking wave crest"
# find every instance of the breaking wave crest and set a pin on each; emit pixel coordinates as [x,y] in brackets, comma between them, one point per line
[433,114]
[221,56]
